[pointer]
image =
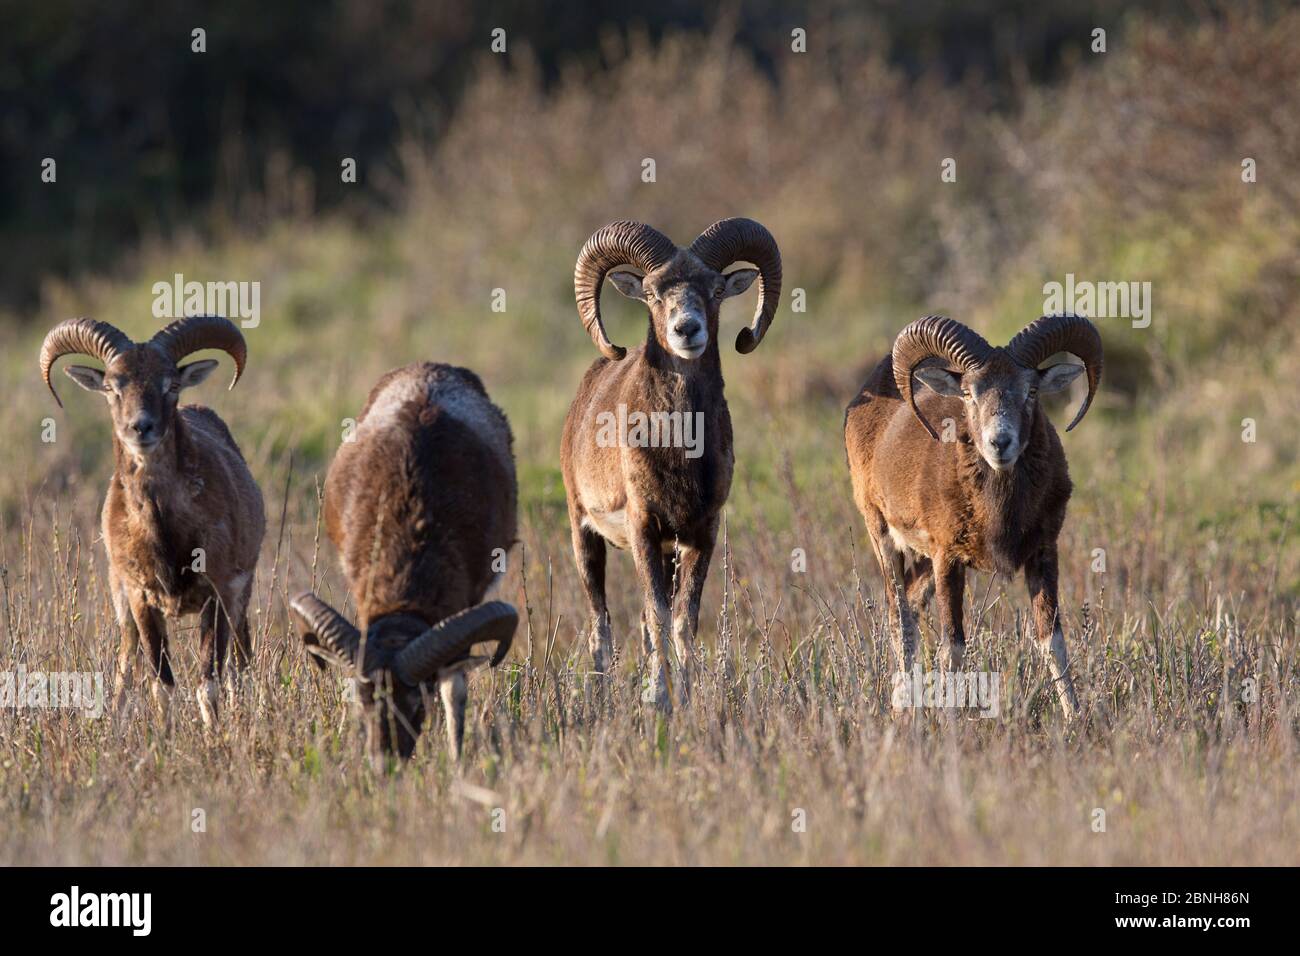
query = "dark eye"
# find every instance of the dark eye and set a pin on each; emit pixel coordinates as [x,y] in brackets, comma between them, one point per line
[717,293]
[174,387]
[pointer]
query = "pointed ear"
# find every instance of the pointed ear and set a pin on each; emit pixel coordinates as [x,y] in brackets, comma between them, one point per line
[91,379]
[940,380]
[1056,377]
[629,283]
[739,281]
[196,372]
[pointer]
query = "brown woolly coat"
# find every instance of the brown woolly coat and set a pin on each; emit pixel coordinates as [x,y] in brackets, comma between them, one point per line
[941,496]
[421,500]
[684,494]
[196,493]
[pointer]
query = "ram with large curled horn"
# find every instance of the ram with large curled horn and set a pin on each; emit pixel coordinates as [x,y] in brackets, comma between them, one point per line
[647,448]
[183,519]
[986,489]
[421,505]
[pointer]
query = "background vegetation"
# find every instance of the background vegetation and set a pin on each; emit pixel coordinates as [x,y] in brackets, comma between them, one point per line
[1122,166]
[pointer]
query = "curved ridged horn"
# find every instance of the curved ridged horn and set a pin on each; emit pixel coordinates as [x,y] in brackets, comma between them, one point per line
[450,639]
[935,336]
[81,337]
[1050,334]
[620,243]
[203,332]
[733,240]
[319,624]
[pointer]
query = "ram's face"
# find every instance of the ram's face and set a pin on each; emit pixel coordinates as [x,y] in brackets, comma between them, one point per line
[683,297]
[1000,400]
[1000,405]
[142,387]
[394,711]
[395,714]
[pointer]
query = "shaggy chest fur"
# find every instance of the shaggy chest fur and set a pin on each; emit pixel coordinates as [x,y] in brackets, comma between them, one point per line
[189,516]
[1005,517]
[653,440]
[153,529]
[692,470]
[943,498]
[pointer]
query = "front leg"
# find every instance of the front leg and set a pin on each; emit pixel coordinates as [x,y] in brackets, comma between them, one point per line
[647,552]
[949,586]
[129,638]
[153,631]
[452,688]
[214,638]
[1040,577]
[686,623]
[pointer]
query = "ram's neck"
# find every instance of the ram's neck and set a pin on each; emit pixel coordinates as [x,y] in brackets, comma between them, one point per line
[146,478]
[1009,502]
[693,382]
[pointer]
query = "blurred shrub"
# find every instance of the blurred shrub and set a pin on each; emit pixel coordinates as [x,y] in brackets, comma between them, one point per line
[152,138]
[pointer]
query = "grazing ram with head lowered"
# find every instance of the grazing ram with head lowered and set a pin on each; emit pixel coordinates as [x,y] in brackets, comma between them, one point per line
[992,496]
[183,519]
[652,496]
[421,506]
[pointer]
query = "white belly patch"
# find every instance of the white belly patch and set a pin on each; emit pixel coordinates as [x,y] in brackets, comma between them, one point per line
[610,525]
[914,539]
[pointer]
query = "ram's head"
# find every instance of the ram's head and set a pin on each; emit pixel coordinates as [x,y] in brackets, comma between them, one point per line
[682,288]
[141,381]
[400,657]
[999,387]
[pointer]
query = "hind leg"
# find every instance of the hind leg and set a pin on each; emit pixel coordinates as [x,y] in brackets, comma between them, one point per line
[920,583]
[243,646]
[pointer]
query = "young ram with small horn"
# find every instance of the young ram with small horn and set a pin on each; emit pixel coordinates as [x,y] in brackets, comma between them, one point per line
[990,497]
[183,520]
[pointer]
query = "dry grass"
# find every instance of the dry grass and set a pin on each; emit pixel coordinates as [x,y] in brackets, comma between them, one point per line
[791,712]
[1202,575]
